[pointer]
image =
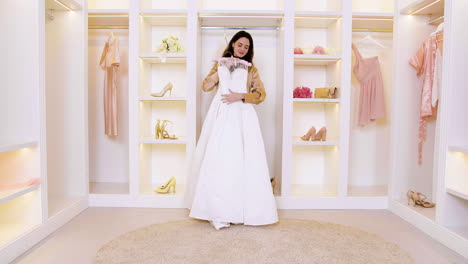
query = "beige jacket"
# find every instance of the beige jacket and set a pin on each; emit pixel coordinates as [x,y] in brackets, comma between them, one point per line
[255,93]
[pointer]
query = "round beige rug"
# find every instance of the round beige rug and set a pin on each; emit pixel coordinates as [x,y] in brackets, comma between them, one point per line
[289,241]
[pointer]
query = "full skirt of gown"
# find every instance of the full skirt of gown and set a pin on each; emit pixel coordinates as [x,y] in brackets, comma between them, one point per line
[229,170]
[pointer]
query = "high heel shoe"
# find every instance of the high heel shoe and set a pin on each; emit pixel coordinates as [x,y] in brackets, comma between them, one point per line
[166,88]
[164,133]
[309,134]
[161,131]
[273,183]
[312,135]
[418,199]
[166,187]
[321,135]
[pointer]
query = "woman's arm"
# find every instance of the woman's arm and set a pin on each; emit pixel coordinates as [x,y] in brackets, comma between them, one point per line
[211,81]
[257,92]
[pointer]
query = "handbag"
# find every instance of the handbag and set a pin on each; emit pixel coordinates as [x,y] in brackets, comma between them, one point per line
[298,51]
[331,92]
[302,92]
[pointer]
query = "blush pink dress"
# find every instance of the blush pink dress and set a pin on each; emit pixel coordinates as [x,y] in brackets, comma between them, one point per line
[110,61]
[424,63]
[371,98]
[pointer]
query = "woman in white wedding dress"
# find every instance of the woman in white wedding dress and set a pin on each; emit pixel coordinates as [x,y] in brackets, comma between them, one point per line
[231,181]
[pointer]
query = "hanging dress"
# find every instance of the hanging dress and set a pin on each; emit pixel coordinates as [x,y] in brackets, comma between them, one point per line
[110,61]
[424,63]
[230,166]
[371,98]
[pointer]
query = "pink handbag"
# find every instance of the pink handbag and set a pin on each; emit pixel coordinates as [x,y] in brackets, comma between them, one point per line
[298,51]
[302,92]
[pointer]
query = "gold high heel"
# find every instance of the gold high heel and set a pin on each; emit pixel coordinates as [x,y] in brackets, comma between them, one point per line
[418,199]
[410,196]
[166,187]
[161,131]
[164,133]
[157,130]
[166,88]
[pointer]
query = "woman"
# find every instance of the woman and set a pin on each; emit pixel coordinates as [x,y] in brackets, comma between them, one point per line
[230,167]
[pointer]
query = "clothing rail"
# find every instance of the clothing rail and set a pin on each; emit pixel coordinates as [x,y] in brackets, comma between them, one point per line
[372,30]
[435,20]
[107,27]
[239,28]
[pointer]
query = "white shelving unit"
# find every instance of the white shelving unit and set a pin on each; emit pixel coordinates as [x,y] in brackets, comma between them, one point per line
[22,146]
[17,144]
[8,195]
[317,60]
[42,150]
[151,99]
[461,149]
[163,141]
[442,174]
[311,169]
[108,4]
[316,100]
[62,5]
[365,21]
[331,174]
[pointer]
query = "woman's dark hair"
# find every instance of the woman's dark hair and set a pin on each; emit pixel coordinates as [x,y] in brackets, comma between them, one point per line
[229,51]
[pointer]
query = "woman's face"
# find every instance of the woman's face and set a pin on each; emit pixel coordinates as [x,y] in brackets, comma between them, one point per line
[241,47]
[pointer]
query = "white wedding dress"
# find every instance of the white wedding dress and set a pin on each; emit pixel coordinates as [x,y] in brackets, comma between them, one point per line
[230,176]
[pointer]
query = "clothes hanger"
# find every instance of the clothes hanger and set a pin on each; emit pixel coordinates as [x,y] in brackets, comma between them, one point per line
[368,38]
[111,36]
[241,61]
[440,29]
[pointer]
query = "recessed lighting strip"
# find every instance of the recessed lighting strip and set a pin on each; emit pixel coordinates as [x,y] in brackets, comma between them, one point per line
[64,5]
[424,7]
[373,19]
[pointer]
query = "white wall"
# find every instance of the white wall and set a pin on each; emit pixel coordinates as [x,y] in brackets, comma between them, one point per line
[109,4]
[66,104]
[19,72]
[241,4]
[108,156]
[265,59]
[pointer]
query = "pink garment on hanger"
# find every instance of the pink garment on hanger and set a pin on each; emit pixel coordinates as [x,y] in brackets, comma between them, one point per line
[371,98]
[31,182]
[424,63]
[110,61]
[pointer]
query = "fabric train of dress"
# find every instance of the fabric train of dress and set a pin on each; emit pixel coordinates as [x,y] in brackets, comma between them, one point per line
[229,171]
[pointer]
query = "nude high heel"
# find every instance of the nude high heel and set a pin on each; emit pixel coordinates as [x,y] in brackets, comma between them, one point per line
[418,199]
[321,135]
[310,134]
[166,88]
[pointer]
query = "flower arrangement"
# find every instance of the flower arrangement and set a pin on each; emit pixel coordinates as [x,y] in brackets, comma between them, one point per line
[302,92]
[169,44]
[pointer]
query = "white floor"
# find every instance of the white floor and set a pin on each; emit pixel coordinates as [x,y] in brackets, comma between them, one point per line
[78,241]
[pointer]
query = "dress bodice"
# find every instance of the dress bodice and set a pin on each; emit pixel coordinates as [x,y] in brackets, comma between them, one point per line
[234,78]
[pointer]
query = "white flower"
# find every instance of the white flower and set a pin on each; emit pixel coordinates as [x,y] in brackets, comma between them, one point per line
[170,44]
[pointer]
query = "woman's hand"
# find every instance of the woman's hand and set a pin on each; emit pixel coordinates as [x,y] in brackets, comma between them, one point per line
[232,97]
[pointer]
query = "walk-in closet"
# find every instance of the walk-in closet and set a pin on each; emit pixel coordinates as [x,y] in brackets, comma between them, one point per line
[102,103]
